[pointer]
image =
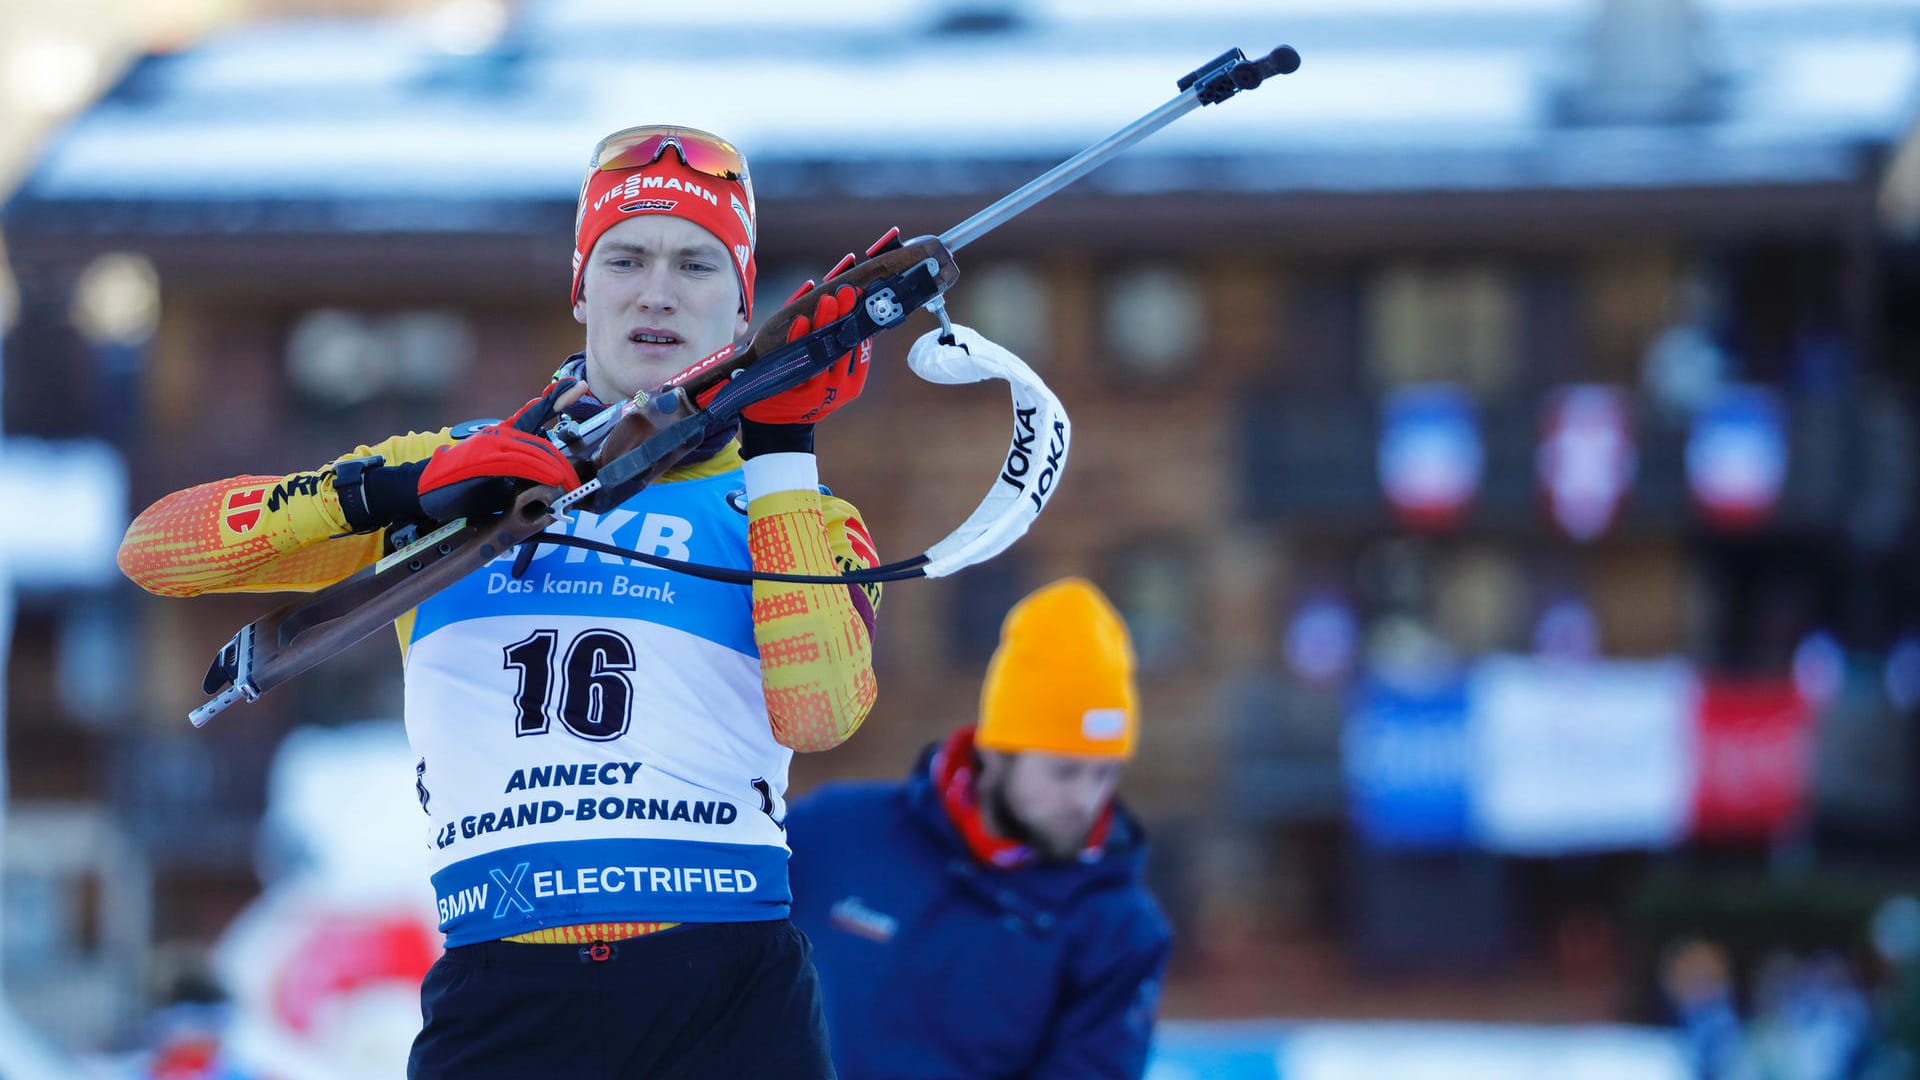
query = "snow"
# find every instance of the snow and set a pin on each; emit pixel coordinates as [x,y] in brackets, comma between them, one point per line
[1393,94]
[1858,82]
[81,488]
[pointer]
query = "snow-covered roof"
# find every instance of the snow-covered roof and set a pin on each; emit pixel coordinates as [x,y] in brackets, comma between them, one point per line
[85,481]
[1394,95]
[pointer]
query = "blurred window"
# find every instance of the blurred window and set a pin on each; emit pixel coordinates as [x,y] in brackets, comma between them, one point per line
[1480,599]
[1322,324]
[1011,304]
[339,359]
[1154,587]
[1153,320]
[977,604]
[1442,322]
[98,662]
[1629,295]
[1640,590]
[77,919]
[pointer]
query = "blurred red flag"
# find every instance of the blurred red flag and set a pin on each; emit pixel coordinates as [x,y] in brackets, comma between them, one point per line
[1755,758]
[344,953]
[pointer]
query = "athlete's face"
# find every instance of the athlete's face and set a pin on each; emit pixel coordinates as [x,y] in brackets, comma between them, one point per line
[1049,801]
[658,295]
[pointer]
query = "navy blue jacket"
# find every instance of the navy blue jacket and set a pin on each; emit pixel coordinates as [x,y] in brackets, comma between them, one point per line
[938,967]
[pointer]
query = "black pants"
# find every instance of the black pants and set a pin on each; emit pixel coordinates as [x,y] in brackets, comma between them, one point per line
[722,1000]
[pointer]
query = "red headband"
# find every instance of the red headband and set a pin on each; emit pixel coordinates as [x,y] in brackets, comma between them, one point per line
[666,187]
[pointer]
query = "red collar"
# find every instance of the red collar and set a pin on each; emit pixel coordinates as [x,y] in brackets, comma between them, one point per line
[954,780]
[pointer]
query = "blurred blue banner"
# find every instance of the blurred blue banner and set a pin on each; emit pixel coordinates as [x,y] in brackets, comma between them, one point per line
[1406,764]
[1277,1050]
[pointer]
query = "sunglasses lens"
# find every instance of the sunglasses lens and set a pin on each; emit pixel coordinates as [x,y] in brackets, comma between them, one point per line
[715,158]
[625,151]
[638,147]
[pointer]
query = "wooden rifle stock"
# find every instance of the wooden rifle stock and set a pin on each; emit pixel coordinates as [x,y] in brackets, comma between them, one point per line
[294,637]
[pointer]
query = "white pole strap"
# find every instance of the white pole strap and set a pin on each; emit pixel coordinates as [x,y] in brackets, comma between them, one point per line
[1035,459]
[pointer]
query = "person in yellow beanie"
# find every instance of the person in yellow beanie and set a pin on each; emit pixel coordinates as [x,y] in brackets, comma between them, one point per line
[988,915]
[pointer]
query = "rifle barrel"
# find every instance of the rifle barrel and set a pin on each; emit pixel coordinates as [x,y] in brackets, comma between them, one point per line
[1067,172]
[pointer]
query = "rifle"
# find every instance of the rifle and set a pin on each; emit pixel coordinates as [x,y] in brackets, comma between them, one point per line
[629,444]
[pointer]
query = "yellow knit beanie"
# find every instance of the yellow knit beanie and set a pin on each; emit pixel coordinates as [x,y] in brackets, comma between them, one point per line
[1061,681]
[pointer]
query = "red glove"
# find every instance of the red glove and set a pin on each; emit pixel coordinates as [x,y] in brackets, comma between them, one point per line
[831,389]
[482,472]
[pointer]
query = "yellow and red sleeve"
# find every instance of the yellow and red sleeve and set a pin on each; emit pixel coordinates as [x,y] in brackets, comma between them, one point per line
[257,533]
[816,641]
